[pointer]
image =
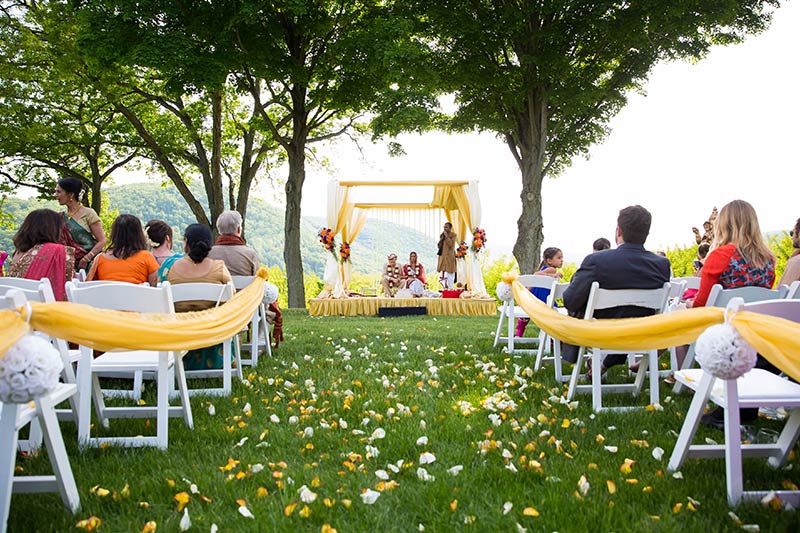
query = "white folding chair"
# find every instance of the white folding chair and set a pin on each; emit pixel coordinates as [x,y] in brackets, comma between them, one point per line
[546,340]
[258,325]
[692,282]
[719,297]
[217,293]
[757,388]
[41,291]
[655,299]
[793,292]
[141,299]
[677,286]
[510,312]
[14,417]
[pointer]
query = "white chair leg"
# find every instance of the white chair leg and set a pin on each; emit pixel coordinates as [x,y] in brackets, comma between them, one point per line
[789,435]
[162,417]
[226,367]
[237,355]
[500,324]
[138,383]
[597,380]
[183,387]
[691,422]
[8,456]
[687,364]
[641,374]
[58,454]
[733,444]
[266,328]
[85,393]
[99,402]
[34,442]
[540,350]
[511,328]
[557,359]
[576,372]
[654,378]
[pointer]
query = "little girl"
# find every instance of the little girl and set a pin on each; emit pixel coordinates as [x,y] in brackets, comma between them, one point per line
[552,260]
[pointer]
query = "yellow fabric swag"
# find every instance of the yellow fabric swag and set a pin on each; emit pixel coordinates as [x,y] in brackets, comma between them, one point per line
[778,340]
[106,330]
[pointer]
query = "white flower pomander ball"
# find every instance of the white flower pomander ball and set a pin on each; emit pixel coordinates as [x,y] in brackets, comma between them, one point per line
[504,291]
[271,291]
[29,369]
[723,353]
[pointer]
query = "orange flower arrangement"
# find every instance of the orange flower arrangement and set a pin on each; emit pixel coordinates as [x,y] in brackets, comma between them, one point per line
[461,251]
[344,252]
[478,240]
[327,238]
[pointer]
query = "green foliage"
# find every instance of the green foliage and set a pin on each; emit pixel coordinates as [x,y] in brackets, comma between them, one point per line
[493,273]
[781,244]
[682,260]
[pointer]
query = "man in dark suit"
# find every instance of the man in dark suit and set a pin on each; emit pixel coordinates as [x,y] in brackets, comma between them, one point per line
[628,266]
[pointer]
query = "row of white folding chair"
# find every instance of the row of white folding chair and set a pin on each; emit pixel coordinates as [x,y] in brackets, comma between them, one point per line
[654,299]
[757,388]
[719,297]
[217,293]
[510,313]
[41,291]
[14,417]
[546,341]
[133,298]
[258,324]
[793,292]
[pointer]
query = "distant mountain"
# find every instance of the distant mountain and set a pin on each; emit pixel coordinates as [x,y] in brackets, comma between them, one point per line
[263,228]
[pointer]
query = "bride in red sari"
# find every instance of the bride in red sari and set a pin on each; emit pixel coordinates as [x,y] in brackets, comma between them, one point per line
[412,271]
[39,254]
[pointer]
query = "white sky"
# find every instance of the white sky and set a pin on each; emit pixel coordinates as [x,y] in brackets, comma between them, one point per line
[704,134]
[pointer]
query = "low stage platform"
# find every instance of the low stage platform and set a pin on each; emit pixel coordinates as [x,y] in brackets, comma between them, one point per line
[369,306]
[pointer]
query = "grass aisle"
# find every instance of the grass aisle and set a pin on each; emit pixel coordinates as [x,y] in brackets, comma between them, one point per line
[402,424]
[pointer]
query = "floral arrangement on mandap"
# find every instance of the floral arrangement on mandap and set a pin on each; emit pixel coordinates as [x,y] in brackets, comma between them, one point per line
[461,250]
[478,240]
[327,238]
[344,252]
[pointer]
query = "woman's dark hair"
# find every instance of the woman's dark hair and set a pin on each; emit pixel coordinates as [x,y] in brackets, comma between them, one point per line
[158,231]
[72,186]
[548,253]
[198,241]
[39,227]
[127,236]
[702,250]
[601,244]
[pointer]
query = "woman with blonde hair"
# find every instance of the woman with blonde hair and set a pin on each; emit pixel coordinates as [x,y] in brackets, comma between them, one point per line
[738,257]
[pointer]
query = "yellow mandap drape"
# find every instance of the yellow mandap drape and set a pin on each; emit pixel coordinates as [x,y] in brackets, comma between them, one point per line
[778,340]
[106,330]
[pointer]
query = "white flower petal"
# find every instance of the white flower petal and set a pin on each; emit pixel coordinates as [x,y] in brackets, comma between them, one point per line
[211,409]
[185,522]
[422,441]
[455,470]
[245,512]
[658,453]
[379,433]
[611,449]
[507,507]
[306,495]
[426,458]
[369,496]
[382,474]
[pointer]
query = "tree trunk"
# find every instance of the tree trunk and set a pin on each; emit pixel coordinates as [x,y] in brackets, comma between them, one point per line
[531,141]
[291,247]
[216,198]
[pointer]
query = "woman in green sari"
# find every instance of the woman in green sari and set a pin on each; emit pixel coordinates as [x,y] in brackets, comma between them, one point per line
[83,224]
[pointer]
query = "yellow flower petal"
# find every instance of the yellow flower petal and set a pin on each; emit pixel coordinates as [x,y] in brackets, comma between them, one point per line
[289,509]
[182,498]
[530,511]
[454,505]
[89,524]
[326,528]
[565,423]
[626,467]
[305,512]
[612,488]
[262,492]
[149,527]
[677,508]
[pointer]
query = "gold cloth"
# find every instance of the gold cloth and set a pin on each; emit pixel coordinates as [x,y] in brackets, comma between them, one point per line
[777,339]
[369,306]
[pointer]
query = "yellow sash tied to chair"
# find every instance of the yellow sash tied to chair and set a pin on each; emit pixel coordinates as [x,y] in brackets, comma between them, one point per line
[106,330]
[777,339]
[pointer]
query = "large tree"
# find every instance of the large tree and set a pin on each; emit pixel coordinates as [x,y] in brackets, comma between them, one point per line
[548,75]
[53,124]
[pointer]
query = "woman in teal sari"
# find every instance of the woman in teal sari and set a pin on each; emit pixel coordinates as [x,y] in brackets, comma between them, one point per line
[84,227]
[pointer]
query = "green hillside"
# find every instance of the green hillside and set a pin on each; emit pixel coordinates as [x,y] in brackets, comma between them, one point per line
[264,228]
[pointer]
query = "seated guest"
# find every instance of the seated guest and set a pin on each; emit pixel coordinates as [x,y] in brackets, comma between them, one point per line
[601,244]
[240,259]
[127,259]
[39,253]
[628,266]
[159,239]
[197,267]
[3,257]
[391,278]
[413,273]
[792,271]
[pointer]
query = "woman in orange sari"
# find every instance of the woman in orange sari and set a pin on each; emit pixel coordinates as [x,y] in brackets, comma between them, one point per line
[39,254]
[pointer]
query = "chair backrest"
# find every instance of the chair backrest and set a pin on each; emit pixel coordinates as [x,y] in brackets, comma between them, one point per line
[122,296]
[560,289]
[676,287]
[12,299]
[692,282]
[532,281]
[794,290]
[210,292]
[655,299]
[34,290]
[240,282]
[95,282]
[787,309]
[719,297]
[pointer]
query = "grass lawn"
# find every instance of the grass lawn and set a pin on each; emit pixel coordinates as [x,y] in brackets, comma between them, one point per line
[421,413]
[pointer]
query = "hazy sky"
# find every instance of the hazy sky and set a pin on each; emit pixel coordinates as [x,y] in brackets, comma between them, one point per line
[704,134]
